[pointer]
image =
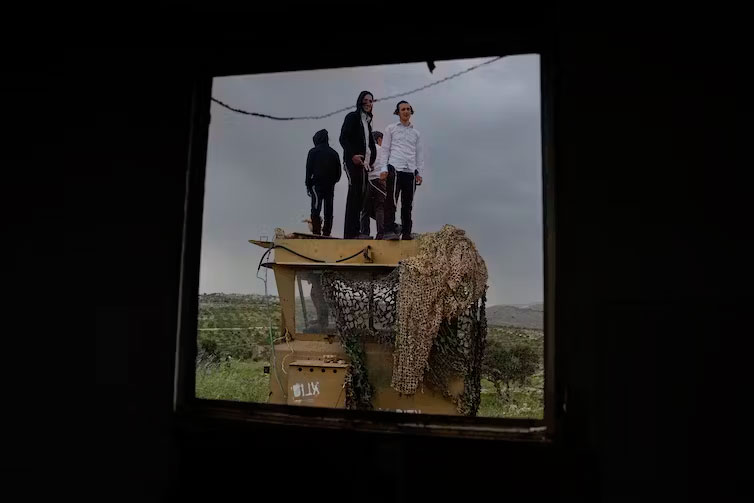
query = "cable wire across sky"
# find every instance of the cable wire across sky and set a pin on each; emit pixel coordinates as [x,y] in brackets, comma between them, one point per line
[324,116]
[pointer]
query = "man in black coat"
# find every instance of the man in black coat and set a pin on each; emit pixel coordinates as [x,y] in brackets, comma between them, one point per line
[322,173]
[359,155]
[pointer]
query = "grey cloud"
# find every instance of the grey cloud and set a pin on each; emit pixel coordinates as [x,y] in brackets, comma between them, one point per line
[482,131]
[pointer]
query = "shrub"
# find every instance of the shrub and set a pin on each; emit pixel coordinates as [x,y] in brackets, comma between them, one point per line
[503,365]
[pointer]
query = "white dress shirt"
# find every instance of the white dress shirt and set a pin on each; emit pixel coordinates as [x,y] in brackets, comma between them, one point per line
[404,148]
[380,164]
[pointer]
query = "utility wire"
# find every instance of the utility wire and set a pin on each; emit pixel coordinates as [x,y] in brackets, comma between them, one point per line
[344,109]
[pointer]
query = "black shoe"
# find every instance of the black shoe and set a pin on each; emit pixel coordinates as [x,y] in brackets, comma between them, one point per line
[409,237]
[364,236]
[316,225]
[391,236]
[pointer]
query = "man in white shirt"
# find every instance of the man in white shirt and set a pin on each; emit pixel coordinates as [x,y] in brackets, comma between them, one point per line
[374,202]
[404,152]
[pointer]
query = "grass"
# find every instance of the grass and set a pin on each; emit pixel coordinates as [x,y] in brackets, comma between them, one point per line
[227,369]
[238,380]
[245,381]
[525,401]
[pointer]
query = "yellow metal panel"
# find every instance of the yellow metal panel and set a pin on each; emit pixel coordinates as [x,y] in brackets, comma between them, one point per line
[310,386]
[263,244]
[425,401]
[307,355]
[331,250]
[297,350]
[316,384]
[284,277]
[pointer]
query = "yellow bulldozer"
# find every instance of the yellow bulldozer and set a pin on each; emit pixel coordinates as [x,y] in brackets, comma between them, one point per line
[339,324]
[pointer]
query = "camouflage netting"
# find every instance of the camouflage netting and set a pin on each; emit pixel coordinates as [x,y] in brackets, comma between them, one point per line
[438,283]
[364,305]
[458,350]
[430,311]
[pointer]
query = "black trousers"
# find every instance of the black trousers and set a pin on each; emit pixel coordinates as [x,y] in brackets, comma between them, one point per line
[322,196]
[374,207]
[357,186]
[403,185]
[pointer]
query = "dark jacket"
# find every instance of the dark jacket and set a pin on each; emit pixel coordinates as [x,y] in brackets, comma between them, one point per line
[352,135]
[322,163]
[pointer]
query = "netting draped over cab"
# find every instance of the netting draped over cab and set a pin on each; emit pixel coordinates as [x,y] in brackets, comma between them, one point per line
[430,311]
[364,305]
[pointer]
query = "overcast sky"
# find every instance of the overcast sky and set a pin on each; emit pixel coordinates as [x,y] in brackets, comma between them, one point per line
[483,163]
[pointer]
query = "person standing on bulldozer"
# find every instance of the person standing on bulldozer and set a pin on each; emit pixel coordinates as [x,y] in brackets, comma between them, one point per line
[322,173]
[404,151]
[359,155]
[374,201]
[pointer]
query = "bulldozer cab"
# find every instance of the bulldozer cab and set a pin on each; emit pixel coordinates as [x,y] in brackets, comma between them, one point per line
[310,365]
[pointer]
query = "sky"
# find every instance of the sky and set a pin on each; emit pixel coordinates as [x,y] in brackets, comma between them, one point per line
[483,163]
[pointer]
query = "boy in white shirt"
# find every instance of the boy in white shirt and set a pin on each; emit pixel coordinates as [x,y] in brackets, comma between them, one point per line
[404,152]
[374,202]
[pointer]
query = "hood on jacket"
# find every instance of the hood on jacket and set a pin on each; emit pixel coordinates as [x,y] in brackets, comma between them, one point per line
[320,137]
[358,102]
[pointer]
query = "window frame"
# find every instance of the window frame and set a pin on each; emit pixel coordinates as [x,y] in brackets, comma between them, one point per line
[189,408]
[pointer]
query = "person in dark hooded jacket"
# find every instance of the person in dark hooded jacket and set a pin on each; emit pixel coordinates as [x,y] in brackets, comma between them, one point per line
[359,154]
[322,173]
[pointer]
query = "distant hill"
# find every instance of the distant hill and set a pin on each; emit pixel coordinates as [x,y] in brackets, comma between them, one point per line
[531,316]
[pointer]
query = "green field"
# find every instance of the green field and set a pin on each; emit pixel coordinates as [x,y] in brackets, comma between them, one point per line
[237,326]
[239,380]
[526,400]
[233,342]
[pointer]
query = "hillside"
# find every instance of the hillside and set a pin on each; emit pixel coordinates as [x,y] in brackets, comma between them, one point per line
[512,316]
